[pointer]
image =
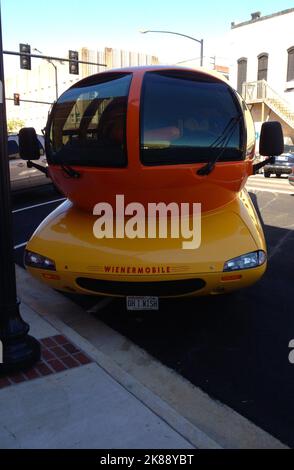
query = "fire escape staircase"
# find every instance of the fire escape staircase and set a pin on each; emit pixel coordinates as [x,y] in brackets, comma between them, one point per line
[261,92]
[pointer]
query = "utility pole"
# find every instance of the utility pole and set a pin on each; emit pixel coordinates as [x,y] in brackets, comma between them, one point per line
[20,350]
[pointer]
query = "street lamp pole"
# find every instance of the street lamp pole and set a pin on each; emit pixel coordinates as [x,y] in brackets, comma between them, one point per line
[200,41]
[56,78]
[19,349]
[55,71]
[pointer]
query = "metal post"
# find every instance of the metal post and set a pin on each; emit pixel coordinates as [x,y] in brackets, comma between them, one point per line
[55,72]
[56,78]
[19,349]
[201,52]
[56,82]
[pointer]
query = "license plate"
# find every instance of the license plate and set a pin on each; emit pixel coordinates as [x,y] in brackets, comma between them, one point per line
[281,159]
[142,303]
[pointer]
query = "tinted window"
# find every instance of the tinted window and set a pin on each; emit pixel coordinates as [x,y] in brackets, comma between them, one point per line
[89,124]
[188,121]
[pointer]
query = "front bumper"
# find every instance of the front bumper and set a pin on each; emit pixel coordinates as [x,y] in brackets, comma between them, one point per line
[173,286]
[278,169]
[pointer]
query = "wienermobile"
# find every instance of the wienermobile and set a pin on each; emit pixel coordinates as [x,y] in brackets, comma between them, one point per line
[167,136]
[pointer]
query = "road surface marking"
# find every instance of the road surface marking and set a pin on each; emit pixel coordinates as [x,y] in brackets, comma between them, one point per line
[38,205]
[100,305]
[20,245]
[268,190]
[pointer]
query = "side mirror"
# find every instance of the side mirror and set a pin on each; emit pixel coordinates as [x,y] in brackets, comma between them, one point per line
[29,147]
[271,139]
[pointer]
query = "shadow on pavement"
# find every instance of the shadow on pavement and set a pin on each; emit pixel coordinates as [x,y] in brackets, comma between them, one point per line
[234,347]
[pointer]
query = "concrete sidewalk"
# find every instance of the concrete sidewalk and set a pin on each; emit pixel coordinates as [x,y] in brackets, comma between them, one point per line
[95,389]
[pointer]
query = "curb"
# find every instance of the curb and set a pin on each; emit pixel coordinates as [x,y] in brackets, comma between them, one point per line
[204,422]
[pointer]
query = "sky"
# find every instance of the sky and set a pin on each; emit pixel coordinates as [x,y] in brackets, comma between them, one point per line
[54,26]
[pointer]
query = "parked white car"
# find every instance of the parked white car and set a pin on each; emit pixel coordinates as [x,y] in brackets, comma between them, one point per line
[22,177]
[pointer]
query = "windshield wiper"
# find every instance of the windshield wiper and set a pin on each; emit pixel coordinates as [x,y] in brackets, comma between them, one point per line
[69,171]
[222,141]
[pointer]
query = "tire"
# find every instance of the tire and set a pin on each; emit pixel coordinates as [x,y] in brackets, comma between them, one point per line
[266,174]
[278,175]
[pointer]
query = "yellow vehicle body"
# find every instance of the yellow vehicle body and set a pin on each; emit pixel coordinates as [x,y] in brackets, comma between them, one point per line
[160,267]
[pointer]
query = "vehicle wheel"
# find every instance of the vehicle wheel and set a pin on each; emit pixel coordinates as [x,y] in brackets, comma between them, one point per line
[266,175]
[278,175]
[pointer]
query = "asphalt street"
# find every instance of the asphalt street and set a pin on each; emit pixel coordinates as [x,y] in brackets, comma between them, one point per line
[234,347]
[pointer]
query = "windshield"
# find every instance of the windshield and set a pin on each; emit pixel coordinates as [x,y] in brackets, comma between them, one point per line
[185,120]
[88,124]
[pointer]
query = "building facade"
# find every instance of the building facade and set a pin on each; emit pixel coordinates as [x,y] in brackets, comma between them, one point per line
[38,88]
[262,66]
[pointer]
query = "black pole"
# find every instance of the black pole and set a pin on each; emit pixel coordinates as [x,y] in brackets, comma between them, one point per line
[20,350]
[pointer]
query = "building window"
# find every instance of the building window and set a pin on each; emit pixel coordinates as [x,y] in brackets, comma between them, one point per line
[262,66]
[290,69]
[242,73]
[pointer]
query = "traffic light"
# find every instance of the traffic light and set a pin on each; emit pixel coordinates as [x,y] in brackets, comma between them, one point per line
[16,99]
[25,60]
[73,64]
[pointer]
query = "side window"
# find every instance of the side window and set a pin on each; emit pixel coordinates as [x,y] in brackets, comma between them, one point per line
[290,67]
[13,150]
[241,74]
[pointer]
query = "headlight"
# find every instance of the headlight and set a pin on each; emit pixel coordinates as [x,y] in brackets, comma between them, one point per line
[38,261]
[250,260]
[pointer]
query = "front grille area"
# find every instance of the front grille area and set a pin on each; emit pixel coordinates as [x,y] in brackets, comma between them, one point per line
[159,288]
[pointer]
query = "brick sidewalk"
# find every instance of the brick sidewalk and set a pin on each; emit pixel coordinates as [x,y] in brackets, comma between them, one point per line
[57,354]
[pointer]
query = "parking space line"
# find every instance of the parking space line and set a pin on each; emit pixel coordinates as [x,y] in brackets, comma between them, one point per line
[277,247]
[38,205]
[268,190]
[20,245]
[100,305]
